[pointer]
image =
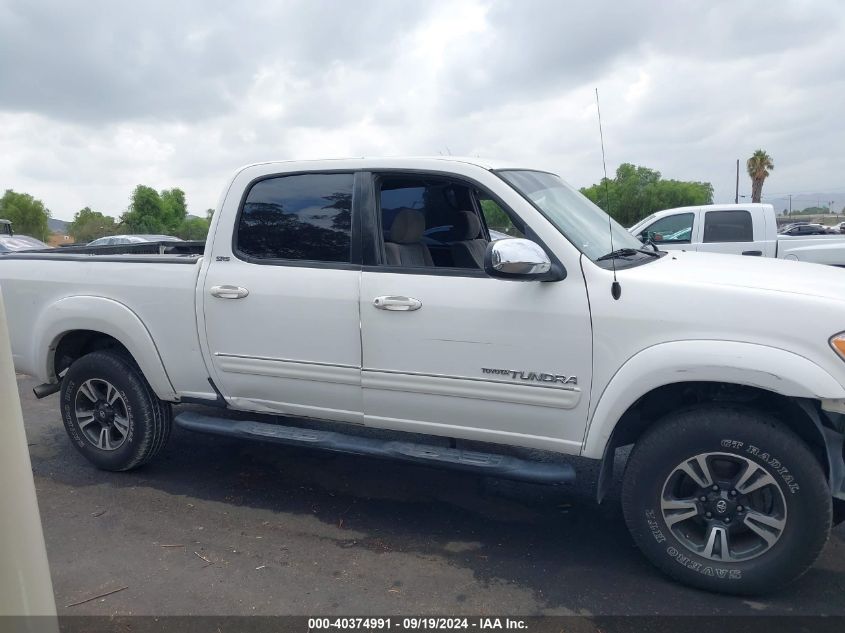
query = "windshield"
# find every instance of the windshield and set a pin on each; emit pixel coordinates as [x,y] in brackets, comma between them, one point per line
[582,222]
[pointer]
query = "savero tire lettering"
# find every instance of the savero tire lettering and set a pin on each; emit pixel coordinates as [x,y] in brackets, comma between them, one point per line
[530,376]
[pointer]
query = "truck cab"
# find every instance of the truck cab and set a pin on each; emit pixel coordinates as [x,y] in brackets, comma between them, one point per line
[737,229]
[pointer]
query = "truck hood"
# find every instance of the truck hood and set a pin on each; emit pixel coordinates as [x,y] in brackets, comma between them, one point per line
[775,275]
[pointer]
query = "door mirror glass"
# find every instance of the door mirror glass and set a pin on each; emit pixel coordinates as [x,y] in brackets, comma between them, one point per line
[517,258]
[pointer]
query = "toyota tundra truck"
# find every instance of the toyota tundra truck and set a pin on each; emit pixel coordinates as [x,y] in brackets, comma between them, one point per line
[368,293]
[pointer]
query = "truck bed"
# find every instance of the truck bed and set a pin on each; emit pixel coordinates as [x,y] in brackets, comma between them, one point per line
[186,248]
[158,289]
[819,249]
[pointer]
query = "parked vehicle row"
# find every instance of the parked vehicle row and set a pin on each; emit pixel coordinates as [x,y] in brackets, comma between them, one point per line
[11,243]
[738,229]
[324,292]
[809,228]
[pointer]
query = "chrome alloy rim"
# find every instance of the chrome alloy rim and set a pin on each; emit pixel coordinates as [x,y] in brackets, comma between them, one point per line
[723,507]
[101,414]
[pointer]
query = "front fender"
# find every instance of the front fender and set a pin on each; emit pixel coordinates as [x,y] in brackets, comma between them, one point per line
[747,364]
[100,315]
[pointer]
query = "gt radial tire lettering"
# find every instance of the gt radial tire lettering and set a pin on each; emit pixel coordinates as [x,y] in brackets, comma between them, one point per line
[706,570]
[776,465]
[129,419]
[70,416]
[654,526]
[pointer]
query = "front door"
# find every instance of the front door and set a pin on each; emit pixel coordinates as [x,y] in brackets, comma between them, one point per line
[448,350]
[673,232]
[280,299]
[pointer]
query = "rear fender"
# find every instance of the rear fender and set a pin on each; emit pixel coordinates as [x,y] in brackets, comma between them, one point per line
[108,316]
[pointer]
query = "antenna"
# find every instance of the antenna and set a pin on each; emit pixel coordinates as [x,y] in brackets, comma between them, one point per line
[615,288]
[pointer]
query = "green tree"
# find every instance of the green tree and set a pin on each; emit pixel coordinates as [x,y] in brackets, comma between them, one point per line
[174,209]
[88,225]
[28,215]
[146,212]
[193,228]
[759,166]
[636,192]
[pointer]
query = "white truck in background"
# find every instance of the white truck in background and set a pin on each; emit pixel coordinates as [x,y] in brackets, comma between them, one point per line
[736,229]
[369,293]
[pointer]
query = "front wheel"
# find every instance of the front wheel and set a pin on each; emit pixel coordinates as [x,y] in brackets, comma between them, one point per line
[110,412]
[727,500]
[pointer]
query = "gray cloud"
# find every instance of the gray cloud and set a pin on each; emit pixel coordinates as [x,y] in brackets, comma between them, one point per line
[96,97]
[105,61]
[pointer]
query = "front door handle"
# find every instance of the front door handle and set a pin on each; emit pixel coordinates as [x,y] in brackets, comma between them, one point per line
[753,253]
[397,303]
[229,292]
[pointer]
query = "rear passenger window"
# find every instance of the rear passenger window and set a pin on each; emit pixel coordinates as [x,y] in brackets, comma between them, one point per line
[728,226]
[306,217]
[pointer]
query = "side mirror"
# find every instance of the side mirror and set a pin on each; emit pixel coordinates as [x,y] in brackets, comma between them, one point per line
[517,258]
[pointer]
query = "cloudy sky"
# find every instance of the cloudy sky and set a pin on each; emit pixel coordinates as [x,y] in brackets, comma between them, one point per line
[96,97]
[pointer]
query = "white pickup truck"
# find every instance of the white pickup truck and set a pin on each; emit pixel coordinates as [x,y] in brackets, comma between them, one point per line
[737,229]
[368,293]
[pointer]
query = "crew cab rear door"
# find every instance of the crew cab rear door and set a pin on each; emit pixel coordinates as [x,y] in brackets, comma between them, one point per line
[280,297]
[732,231]
[450,351]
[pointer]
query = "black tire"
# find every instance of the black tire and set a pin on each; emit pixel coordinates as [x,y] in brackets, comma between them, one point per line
[127,433]
[730,438]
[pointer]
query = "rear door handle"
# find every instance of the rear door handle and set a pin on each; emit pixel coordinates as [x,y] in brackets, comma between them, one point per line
[753,253]
[397,303]
[229,292]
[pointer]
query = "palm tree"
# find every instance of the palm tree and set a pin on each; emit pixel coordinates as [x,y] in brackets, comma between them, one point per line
[759,166]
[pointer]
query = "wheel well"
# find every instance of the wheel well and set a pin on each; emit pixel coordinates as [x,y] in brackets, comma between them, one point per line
[800,415]
[77,343]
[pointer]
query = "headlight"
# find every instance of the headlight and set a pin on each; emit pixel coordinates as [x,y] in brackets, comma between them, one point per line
[837,342]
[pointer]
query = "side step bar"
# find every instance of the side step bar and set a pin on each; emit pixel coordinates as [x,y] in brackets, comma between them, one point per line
[491,464]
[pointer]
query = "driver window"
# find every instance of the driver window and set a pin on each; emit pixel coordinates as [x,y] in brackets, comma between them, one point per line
[673,229]
[430,222]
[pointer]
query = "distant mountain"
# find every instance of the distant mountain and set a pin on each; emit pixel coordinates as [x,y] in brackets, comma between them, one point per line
[57,226]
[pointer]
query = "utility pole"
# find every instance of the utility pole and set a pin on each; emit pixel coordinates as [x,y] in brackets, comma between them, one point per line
[790,205]
[736,197]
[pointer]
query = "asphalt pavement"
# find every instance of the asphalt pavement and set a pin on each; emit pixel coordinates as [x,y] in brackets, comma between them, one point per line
[217,526]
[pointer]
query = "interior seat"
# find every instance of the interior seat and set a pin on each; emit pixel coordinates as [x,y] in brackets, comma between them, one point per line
[469,251]
[404,246]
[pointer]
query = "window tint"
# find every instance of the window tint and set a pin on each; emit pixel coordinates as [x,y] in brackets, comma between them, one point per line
[728,226]
[305,217]
[673,229]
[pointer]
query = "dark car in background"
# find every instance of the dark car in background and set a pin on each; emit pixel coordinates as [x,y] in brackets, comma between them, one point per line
[804,229]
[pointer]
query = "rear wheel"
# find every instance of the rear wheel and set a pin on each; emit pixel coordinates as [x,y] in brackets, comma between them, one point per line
[727,500]
[110,412]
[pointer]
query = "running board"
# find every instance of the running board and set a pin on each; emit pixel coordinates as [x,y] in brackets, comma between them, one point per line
[494,465]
